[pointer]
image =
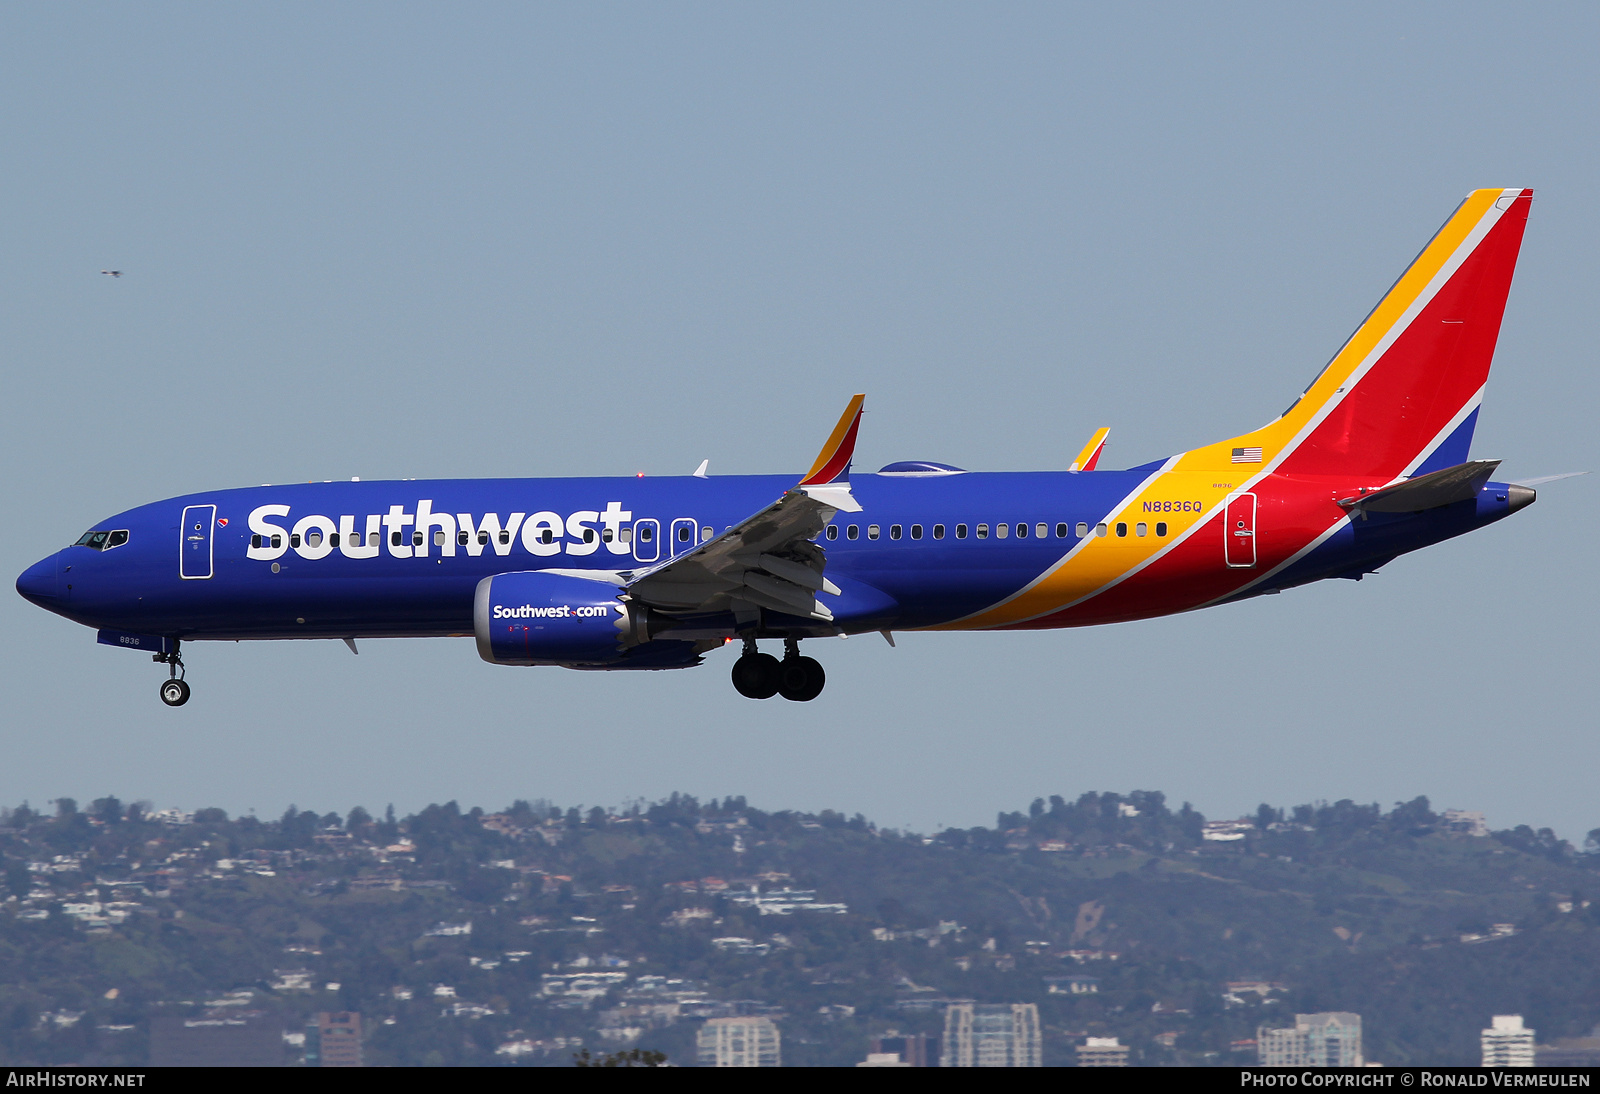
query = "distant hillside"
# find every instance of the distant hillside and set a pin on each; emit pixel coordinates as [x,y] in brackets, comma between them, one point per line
[516,937]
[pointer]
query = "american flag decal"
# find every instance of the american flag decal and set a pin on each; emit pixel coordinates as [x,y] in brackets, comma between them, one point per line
[1247,455]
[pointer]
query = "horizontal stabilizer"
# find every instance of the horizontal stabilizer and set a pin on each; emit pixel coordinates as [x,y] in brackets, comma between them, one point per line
[1445,487]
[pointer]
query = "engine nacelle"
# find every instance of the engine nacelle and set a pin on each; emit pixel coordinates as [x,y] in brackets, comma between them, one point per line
[539,618]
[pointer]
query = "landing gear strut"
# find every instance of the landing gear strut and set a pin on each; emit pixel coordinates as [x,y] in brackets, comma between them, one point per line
[759,675]
[174,690]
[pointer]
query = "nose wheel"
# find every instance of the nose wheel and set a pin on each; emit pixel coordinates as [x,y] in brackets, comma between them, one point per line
[758,675]
[174,690]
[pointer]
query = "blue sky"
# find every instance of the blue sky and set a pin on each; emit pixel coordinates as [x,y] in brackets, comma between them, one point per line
[479,240]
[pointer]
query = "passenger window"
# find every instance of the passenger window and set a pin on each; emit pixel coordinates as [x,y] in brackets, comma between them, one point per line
[1083,529]
[483,537]
[277,541]
[313,539]
[294,539]
[916,531]
[605,535]
[707,534]
[255,542]
[1141,529]
[588,535]
[394,539]
[117,539]
[505,535]
[1001,531]
[1042,530]
[983,531]
[683,534]
[938,531]
[355,539]
[1100,529]
[625,535]
[961,531]
[416,539]
[833,531]
[333,539]
[1161,527]
[1122,530]
[438,537]
[894,531]
[461,539]
[872,531]
[646,533]
[546,536]
[852,532]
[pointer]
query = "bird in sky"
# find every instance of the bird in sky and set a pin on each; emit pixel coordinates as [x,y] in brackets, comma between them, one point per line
[113,273]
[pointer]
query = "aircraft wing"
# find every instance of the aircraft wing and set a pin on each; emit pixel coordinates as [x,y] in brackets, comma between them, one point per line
[769,559]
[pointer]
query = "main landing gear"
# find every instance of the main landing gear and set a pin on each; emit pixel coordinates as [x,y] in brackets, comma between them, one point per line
[174,691]
[758,675]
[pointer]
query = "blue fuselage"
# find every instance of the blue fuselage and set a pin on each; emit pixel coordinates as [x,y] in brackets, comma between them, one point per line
[347,559]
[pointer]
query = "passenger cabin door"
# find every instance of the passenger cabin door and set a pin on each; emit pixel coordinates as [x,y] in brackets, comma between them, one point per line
[646,540]
[1239,531]
[194,542]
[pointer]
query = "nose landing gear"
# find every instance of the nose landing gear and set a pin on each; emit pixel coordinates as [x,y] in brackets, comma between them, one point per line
[759,675]
[174,690]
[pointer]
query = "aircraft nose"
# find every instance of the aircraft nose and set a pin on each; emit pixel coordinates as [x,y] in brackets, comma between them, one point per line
[38,583]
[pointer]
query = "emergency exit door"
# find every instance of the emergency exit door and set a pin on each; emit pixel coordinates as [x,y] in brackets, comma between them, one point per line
[1239,531]
[194,541]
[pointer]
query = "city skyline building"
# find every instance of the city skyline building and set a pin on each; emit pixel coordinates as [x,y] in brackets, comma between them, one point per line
[916,1049]
[1507,1042]
[739,1042]
[1102,1052]
[992,1035]
[339,1039]
[1325,1039]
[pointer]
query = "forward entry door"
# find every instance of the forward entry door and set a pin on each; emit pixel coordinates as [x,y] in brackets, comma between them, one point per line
[194,543]
[1239,531]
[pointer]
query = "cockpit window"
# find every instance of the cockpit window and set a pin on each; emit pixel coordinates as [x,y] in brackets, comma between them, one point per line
[102,541]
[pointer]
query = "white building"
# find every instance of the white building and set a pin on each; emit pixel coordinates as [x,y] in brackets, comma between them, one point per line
[1465,821]
[984,1035]
[739,1042]
[1507,1042]
[1329,1039]
[1102,1052]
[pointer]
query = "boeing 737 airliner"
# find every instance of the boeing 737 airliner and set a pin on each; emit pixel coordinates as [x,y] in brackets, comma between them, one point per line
[653,573]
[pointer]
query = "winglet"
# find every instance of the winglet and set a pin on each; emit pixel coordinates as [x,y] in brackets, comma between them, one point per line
[833,462]
[828,480]
[1091,451]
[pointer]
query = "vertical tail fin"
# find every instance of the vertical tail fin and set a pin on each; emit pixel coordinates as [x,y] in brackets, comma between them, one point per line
[1401,396]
